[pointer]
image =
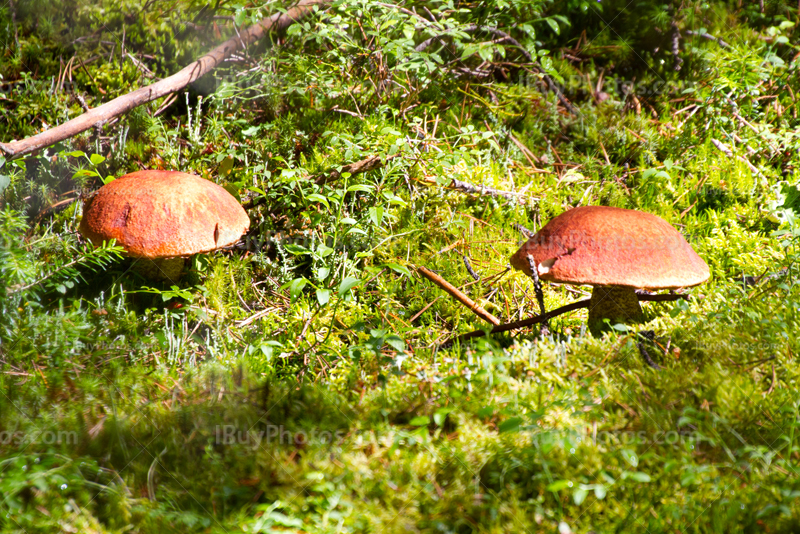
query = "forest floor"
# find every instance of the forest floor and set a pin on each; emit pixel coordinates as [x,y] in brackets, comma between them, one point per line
[306,379]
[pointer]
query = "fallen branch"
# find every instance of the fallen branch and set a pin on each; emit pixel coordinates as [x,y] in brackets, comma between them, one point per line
[708,36]
[102,114]
[369,164]
[459,296]
[536,319]
[722,147]
[727,151]
[466,187]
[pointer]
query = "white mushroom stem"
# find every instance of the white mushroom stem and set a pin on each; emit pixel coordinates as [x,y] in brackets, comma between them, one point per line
[616,303]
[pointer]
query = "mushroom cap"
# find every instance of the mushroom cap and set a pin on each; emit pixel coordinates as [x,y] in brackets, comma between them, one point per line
[605,246]
[157,214]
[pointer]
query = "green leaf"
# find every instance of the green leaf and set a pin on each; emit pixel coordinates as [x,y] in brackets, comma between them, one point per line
[630,457]
[323,272]
[296,249]
[396,342]
[376,215]
[360,187]
[76,154]
[347,284]
[96,159]
[638,476]
[316,197]
[225,166]
[600,491]
[422,420]
[84,172]
[324,251]
[579,495]
[5,181]
[440,415]
[323,296]
[233,190]
[559,485]
[296,286]
[553,25]
[511,424]
[399,269]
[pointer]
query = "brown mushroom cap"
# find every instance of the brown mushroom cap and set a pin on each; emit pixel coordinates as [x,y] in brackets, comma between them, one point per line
[157,214]
[605,246]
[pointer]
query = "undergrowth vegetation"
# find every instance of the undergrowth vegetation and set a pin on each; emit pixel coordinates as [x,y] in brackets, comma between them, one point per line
[306,379]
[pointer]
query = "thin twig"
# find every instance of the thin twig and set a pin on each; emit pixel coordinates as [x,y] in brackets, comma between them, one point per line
[475,276]
[458,295]
[708,36]
[646,335]
[772,385]
[536,319]
[526,322]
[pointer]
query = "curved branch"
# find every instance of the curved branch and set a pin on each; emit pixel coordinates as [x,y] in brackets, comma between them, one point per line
[536,319]
[176,82]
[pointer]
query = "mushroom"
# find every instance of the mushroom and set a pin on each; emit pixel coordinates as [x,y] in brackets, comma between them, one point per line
[163,216]
[616,251]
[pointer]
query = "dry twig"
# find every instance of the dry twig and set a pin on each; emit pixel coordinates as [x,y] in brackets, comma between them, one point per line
[473,306]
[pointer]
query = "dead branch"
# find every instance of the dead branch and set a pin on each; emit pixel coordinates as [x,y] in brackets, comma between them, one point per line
[369,164]
[727,151]
[458,295]
[466,187]
[176,82]
[708,36]
[536,319]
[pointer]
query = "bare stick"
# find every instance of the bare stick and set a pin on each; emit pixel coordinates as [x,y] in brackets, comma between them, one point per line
[708,36]
[536,319]
[459,296]
[176,82]
[369,164]
[466,187]
[475,276]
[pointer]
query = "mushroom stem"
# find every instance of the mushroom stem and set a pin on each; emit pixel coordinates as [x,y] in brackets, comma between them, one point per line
[616,303]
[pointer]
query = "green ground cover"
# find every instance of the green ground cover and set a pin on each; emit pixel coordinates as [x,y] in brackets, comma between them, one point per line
[302,381]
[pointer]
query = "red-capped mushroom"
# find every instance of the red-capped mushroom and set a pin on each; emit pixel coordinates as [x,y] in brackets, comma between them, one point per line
[616,251]
[164,216]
